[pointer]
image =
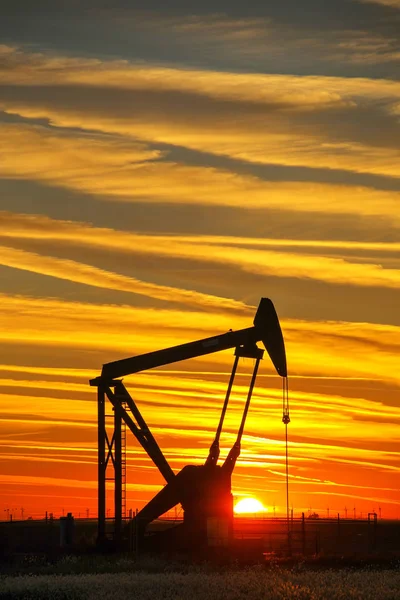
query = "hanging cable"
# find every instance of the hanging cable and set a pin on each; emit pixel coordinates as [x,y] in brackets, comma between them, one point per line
[286,421]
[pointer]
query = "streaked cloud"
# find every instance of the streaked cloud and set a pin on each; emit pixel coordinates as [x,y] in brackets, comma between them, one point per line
[293,92]
[17,226]
[259,141]
[391,3]
[264,261]
[160,394]
[209,101]
[109,168]
[314,348]
[88,275]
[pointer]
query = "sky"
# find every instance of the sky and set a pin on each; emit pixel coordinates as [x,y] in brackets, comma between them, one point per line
[163,166]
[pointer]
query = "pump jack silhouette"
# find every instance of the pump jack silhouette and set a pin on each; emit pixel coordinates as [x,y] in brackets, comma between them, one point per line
[204,491]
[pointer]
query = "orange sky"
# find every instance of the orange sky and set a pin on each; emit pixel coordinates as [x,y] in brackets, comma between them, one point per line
[153,187]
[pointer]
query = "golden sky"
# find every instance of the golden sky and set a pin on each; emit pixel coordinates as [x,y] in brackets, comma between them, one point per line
[162,168]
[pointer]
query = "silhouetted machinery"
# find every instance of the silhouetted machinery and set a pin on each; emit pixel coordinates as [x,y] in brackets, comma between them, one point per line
[204,491]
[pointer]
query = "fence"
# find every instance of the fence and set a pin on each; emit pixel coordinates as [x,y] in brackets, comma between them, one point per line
[303,536]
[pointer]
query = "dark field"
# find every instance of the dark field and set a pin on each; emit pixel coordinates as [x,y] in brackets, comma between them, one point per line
[308,537]
[330,560]
[329,537]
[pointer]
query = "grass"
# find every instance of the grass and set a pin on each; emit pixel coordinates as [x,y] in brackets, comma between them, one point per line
[152,580]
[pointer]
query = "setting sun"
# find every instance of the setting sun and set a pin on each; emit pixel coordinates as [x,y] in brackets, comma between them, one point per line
[249,505]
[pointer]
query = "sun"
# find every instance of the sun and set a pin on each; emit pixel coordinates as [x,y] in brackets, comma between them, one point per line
[249,505]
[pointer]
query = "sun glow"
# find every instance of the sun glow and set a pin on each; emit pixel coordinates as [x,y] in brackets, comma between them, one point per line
[249,505]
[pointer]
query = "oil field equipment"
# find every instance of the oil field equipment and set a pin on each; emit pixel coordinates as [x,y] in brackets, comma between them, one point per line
[204,491]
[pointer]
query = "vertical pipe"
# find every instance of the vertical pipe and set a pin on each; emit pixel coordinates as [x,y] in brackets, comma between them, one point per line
[101,466]
[117,474]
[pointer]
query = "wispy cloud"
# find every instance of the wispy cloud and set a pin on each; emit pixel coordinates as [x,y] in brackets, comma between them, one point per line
[118,138]
[17,226]
[209,103]
[314,347]
[89,275]
[302,93]
[391,3]
[259,260]
[111,168]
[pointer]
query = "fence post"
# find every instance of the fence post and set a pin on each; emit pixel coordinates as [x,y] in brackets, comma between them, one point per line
[303,533]
[136,533]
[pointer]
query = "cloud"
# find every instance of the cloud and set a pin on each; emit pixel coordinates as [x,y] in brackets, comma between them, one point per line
[361,351]
[67,156]
[289,92]
[261,38]
[297,93]
[111,168]
[41,481]
[328,430]
[268,119]
[363,49]
[249,138]
[314,347]
[89,275]
[390,3]
[170,401]
[322,268]
[17,226]
[261,260]
[114,329]
[162,394]
[174,430]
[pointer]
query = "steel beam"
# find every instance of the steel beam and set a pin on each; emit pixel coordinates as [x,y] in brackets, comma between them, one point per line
[117,476]
[101,464]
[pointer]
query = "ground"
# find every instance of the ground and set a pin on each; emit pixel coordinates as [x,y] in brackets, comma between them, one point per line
[98,578]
